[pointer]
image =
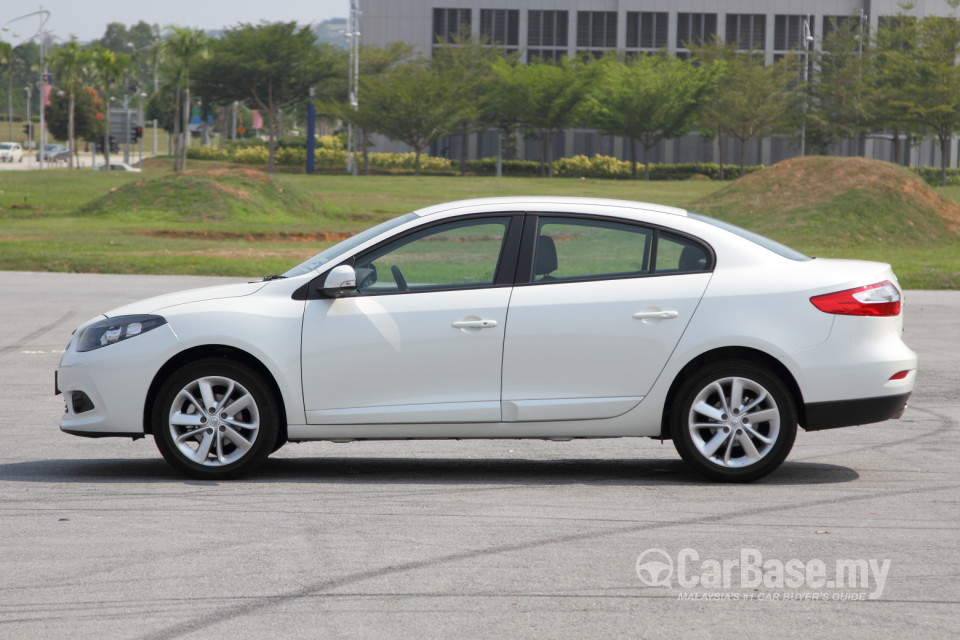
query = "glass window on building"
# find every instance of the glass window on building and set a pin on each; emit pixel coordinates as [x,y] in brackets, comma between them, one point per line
[695,29]
[789,33]
[450,24]
[748,30]
[647,30]
[596,29]
[547,28]
[500,26]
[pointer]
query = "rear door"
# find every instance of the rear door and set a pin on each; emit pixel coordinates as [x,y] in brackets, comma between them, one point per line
[605,306]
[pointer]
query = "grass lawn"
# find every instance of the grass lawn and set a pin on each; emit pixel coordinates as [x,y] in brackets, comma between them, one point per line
[46,222]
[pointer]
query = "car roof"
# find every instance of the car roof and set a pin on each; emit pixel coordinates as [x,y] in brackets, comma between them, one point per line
[534,203]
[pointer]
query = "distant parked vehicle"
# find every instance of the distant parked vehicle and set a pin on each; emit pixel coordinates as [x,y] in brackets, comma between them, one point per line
[11,152]
[117,166]
[54,153]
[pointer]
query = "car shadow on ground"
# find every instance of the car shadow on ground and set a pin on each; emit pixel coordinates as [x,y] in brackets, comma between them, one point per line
[420,471]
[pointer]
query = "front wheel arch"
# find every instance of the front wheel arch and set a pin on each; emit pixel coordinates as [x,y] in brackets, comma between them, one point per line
[727,354]
[214,351]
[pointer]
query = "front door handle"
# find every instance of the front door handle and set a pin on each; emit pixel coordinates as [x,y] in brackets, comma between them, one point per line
[474,324]
[656,315]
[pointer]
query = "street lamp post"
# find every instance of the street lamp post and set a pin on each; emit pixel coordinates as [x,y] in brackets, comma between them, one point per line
[29,122]
[807,42]
[44,16]
[156,87]
[353,73]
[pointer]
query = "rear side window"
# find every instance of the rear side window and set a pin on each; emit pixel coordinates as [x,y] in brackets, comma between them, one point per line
[568,248]
[676,254]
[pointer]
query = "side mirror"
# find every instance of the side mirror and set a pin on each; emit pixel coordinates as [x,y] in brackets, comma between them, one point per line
[341,281]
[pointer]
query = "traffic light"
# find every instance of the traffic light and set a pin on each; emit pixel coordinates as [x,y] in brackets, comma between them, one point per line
[137,133]
[26,129]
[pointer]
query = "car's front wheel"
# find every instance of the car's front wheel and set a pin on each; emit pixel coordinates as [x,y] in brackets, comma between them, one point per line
[734,421]
[215,419]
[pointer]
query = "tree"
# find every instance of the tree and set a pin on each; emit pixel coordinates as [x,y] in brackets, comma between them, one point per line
[843,96]
[932,82]
[411,103]
[895,39]
[334,94]
[272,66]
[87,114]
[647,99]
[468,61]
[6,61]
[118,38]
[20,62]
[750,101]
[107,68]
[545,97]
[183,49]
[69,63]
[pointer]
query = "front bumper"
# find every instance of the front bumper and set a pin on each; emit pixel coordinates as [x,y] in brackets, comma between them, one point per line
[105,390]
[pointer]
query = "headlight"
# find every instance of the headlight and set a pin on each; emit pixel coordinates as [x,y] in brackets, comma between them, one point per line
[113,330]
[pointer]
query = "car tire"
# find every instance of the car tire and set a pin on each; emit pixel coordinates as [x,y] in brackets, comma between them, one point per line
[734,421]
[215,419]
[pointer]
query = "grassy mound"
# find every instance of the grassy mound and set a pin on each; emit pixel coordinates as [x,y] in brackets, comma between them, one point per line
[206,195]
[837,202]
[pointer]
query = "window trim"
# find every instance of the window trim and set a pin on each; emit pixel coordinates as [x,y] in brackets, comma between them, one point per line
[531,228]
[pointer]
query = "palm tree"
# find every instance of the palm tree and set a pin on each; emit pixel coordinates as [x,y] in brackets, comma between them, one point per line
[6,60]
[107,67]
[69,63]
[182,49]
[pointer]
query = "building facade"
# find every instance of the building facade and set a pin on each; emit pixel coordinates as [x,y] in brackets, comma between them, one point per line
[552,29]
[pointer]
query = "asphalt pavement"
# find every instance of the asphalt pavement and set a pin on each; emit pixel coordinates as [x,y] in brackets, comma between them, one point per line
[854,537]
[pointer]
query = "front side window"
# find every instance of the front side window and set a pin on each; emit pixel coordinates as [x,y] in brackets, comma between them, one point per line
[456,255]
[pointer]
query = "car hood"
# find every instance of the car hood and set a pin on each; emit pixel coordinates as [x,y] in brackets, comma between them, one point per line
[159,303]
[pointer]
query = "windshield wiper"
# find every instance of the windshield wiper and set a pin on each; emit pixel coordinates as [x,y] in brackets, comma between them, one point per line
[274,277]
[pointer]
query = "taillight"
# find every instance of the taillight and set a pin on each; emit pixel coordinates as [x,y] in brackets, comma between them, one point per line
[880,299]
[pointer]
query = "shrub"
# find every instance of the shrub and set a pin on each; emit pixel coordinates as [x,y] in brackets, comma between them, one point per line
[488,167]
[931,175]
[251,155]
[596,167]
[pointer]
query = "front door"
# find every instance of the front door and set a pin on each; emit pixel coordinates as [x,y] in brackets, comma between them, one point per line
[422,341]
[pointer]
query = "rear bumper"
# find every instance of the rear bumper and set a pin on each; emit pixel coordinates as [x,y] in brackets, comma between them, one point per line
[848,413]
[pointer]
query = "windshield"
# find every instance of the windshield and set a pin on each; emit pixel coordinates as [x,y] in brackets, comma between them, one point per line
[340,248]
[765,242]
[6,145]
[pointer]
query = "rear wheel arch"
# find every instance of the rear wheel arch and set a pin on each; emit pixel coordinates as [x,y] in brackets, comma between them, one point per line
[731,354]
[214,351]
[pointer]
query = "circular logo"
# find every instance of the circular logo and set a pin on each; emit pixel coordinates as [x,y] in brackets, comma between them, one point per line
[655,568]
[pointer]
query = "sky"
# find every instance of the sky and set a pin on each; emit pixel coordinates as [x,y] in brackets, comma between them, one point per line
[87,19]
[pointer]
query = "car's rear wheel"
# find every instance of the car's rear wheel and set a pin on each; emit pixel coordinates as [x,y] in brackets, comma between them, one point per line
[735,421]
[215,419]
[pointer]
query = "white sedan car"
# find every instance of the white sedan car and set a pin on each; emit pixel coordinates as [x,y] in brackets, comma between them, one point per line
[11,152]
[552,318]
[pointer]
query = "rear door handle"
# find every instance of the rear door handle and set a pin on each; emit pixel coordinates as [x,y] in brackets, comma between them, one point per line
[655,315]
[474,324]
